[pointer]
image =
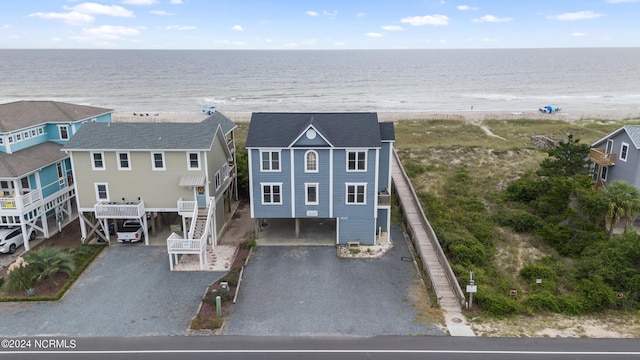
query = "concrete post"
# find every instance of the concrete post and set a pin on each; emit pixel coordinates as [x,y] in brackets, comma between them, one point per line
[218,306]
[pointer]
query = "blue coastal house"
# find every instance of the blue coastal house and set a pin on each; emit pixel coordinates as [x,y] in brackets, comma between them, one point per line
[334,166]
[617,156]
[36,181]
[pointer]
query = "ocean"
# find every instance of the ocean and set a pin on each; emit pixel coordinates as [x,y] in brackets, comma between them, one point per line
[179,81]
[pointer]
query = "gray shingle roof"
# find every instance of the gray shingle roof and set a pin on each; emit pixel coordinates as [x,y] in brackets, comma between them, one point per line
[632,130]
[225,123]
[148,136]
[20,114]
[387,131]
[340,129]
[30,159]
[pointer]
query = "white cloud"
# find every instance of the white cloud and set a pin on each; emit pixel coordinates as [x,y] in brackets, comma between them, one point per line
[161,13]
[71,18]
[578,34]
[139,2]
[492,19]
[339,43]
[330,13]
[111,32]
[180,27]
[311,13]
[580,15]
[622,1]
[237,28]
[99,9]
[392,28]
[374,35]
[6,26]
[489,40]
[361,14]
[435,19]
[466,7]
[176,2]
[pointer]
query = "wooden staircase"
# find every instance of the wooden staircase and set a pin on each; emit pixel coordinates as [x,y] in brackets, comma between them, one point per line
[200,223]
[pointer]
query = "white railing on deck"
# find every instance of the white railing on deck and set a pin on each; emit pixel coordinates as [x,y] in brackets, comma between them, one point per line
[179,245]
[194,219]
[186,206]
[20,202]
[113,210]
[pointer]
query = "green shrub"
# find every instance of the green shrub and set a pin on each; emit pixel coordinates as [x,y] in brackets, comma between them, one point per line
[20,276]
[412,169]
[210,298]
[532,272]
[518,220]
[48,261]
[596,295]
[569,305]
[525,189]
[542,302]
[496,305]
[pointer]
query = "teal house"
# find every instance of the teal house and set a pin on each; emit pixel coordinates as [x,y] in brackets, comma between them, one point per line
[36,180]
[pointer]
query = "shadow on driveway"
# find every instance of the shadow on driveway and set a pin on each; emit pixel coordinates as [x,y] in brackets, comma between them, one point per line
[307,290]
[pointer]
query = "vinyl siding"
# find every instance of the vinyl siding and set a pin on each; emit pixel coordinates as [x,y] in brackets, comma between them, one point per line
[271,211]
[158,189]
[357,227]
[321,178]
[627,171]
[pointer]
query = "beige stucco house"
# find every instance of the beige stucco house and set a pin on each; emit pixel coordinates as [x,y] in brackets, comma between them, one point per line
[140,170]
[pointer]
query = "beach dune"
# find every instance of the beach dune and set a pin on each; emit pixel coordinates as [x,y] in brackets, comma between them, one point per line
[470,116]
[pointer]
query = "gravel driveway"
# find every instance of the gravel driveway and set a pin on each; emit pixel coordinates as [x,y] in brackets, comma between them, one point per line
[307,290]
[127,291]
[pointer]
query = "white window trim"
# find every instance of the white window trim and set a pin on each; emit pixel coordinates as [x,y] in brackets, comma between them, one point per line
[93,161]
[272,184]
[18,137]
[60,127]
[622,146]
[26,135]
[346,194]
[604,173]
[189,161]
[365,160]
[1,140]
[106,186]
[217,180]
[128,168]
[153,161]
[306,193]
[609,146]
[306,165]
[10,137]
[270,152]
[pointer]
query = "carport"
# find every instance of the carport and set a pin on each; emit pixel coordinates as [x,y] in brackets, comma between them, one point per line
[280,232]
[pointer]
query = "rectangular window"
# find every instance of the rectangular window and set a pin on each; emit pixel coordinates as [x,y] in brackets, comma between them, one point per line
[40,131]
[64,132]
[356,161]
[33,132]
[1,140]
[97,161]
[624,151]
[26,134]
[24,182]
[102,191]
[609,147]
[311,191]
[603,175]
[59,168]
[271,194]
[194,161]
[356,193]
[10,139]
[18,137]
[217,179]
[123,161]
[270,160]
[157,161]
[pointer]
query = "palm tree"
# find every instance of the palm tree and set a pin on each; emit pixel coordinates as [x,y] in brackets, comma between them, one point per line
[49,261]
[623,202]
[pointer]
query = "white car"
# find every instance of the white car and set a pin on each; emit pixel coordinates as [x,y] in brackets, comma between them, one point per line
[11,238]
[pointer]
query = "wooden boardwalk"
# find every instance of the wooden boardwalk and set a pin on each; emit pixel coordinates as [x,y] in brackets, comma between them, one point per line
[450,296]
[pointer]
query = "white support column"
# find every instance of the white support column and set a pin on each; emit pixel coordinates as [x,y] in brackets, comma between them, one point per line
[83,228]
[145,228]
[25,236]
[171,262]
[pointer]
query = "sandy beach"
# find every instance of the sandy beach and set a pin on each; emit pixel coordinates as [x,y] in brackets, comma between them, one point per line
[470,116]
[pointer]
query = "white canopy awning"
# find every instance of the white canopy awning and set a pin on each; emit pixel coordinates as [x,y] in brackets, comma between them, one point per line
[192,180]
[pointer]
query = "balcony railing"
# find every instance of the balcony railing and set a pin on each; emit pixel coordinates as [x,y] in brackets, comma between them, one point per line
[384,198]
[115,210]
[185,207]
[600,157]
[21,202]
[232,146]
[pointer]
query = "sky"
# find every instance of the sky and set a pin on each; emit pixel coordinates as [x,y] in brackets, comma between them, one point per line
[320,24]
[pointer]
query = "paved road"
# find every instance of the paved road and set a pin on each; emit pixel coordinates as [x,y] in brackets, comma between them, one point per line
[307,290]
[127,291]
[347,348]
